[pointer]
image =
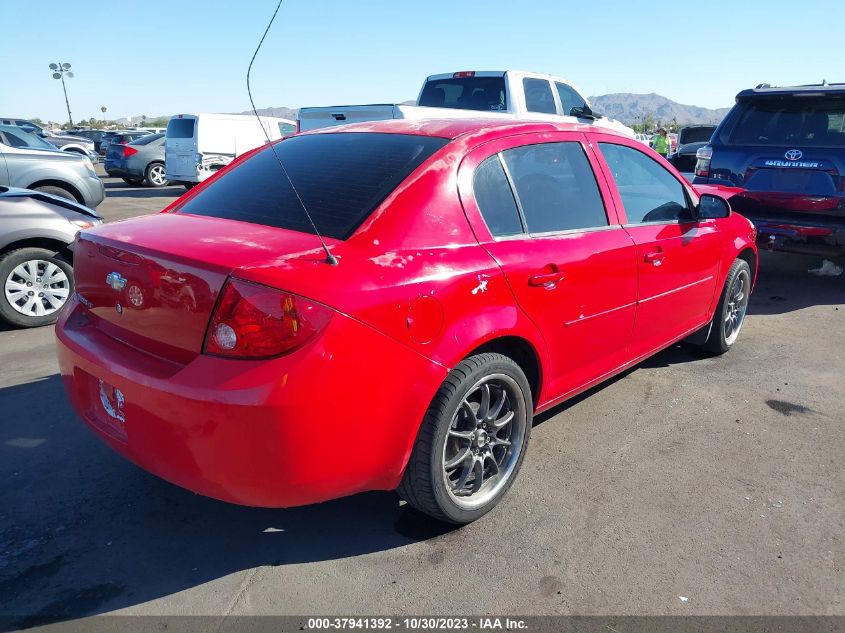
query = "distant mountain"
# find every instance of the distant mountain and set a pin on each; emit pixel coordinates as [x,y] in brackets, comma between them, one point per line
[281,112]
[624,106]
[630,108]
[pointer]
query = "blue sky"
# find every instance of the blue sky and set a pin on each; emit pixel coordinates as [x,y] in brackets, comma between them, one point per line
[191,56]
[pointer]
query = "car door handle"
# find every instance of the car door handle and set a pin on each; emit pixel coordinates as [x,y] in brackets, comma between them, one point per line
[655,258]
[546,279]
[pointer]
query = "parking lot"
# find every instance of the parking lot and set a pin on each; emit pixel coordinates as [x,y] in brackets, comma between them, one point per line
[688,485]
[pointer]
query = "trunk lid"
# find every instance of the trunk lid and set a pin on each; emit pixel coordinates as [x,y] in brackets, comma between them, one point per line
[154,289]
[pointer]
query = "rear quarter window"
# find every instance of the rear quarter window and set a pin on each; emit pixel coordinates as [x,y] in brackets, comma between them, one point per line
[340,177]
[495,200]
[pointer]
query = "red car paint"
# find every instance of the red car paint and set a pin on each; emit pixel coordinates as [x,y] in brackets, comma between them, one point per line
[420,285]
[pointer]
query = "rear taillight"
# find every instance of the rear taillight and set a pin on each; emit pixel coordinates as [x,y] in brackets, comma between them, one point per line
[129,151]
[702,161]
[463,74]
[298,126]
[256,321]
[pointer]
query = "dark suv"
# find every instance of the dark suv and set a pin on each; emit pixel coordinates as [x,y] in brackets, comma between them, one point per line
[785,149]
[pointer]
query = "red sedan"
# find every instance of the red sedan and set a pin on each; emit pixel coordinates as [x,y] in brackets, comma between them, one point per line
[474,273]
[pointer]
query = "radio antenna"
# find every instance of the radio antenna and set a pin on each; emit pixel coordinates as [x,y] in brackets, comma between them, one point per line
[330,259]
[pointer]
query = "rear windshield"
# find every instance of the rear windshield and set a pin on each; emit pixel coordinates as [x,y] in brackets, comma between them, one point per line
[465,93]
[180,128]
[695,134]
[146,140]
[796,121]
[340,177]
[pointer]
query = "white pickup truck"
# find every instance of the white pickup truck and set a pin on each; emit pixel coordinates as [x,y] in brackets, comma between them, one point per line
[504,94]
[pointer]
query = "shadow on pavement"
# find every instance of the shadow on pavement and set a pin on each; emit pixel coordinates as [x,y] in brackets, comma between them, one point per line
[784,285]
[120,189]
[82,531]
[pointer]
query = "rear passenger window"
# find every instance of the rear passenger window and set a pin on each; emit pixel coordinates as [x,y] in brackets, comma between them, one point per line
[495,199]
[649,192]
[556,187]
[538,96]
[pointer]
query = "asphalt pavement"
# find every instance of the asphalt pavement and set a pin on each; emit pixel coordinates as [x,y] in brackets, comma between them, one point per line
[688,485]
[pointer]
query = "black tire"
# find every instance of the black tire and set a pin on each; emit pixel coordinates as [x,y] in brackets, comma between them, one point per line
[133,181]
[13,260]
[150,175]
[718,342]
[189,185]
[55,190]
[424,483]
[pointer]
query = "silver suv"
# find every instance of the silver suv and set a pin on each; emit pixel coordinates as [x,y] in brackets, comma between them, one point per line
[29,162]
[37,232]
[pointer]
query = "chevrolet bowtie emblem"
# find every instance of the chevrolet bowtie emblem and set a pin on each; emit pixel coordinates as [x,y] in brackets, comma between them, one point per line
[116,281]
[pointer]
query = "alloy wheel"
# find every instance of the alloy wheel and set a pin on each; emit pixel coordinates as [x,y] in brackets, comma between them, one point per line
[156,175]
[37,288]
[736,307]
[484,440]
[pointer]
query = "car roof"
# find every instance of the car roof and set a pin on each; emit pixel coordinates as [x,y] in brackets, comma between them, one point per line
[453,128]
[763,90]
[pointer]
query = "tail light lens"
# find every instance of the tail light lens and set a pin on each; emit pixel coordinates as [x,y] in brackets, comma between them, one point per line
[298,126]
[256,321]
[129,151]
[702,161]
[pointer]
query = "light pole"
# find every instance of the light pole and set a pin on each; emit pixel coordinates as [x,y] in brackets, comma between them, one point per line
[59,71]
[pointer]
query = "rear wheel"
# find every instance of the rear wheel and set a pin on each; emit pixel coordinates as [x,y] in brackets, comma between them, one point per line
[36,283]
[189,185]
[55,190]
[730,313]
[472,440]
[155,175]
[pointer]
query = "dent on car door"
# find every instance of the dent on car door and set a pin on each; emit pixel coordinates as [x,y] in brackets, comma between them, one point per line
[547,221]
[677,255]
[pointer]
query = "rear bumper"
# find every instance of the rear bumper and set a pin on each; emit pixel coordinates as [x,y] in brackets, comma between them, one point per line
[121,169]
[806,237]
[336,417]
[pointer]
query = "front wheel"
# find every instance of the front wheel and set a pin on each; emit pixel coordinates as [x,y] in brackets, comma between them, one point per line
[730,313]
[36,283]
[472,440]
[54,190]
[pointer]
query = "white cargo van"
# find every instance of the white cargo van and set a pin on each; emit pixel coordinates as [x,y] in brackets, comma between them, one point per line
[197,145]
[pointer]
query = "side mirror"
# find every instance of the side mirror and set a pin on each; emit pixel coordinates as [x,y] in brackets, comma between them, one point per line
[712,207]
[582,112]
